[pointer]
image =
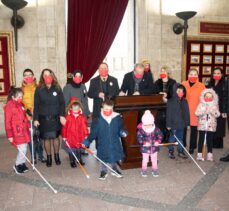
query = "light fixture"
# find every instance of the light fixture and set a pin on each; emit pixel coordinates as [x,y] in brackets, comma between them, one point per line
[17,21]
[178,28]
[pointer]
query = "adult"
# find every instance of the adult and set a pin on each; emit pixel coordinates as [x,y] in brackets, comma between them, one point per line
[102,87]
[218,84]
[137,82]
[193,91]
[226,158]
[164,85]
[77,89]
[28,87]
[49,112]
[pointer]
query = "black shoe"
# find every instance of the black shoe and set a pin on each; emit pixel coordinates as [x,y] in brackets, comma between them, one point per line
[182,155]
[73,164]
[42,159]
[49,161]
[225,159]
[18,169]
[57,159]
[191,151]
[118,174]
[171,155]
[81,162]
[24,168]
[103,175]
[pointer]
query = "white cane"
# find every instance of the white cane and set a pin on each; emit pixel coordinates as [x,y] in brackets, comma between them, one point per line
[32,145]
[204,173]
[54,190]
[93,154]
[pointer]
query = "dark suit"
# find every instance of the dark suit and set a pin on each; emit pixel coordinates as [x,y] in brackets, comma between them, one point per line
[110,89]
[146,86]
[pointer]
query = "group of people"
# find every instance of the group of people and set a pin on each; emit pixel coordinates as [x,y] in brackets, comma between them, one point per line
[54,113]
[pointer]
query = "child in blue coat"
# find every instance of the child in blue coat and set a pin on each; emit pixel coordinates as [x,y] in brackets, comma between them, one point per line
[107,129]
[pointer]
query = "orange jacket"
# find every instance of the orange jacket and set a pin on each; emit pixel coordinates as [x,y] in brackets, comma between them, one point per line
[193,97]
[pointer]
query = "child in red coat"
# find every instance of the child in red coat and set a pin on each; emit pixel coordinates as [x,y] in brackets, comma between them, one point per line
[17,127]
[75,131]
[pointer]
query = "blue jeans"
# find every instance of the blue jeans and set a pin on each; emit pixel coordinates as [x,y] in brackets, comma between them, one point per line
[179,133]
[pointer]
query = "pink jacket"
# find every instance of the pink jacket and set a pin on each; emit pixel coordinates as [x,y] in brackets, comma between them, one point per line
[208,111]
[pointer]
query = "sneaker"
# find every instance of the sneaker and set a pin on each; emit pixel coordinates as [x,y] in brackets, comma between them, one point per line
[155,173]
[103,175]
[210,156]
[118,173]
[73,164]
[18,169]
[171,155]
[182,155]
[199,157]
[144,173]
[42,159]
[24,168]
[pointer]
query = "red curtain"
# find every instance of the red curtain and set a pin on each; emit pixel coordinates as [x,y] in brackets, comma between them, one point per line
[92,26]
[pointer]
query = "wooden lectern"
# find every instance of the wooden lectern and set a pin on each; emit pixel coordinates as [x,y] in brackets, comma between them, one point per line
[132,109]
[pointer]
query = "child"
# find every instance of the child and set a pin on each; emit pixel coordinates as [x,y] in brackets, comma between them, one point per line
[75,130]
[17,127]
[149,136]
[177,118]
[207,113]
[107,130]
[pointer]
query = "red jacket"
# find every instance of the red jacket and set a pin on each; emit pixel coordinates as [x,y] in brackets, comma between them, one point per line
[75,130]
[16,122]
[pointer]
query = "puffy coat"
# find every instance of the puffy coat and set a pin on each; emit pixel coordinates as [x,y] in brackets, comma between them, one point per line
[207,112]
[109,146]
[16,122]
[28,95]
[152,138]
[75,130]
[193,97]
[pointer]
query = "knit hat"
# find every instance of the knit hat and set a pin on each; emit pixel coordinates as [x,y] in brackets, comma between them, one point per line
[148,118]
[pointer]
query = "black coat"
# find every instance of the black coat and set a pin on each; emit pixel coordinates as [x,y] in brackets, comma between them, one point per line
[177,112]
[96,87]
[221,91]
[159,86]
[146,86]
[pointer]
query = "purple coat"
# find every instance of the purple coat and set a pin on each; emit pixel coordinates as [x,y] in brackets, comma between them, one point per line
[152,138]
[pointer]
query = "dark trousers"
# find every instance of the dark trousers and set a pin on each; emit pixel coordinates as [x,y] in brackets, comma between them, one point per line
[209,137]
[193,137]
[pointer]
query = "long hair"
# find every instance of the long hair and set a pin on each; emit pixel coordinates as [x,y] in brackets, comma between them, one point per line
[13,92]
[54,83]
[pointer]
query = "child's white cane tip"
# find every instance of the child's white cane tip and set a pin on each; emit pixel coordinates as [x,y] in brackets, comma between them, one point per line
[204,173]
[88,177]
[55,191]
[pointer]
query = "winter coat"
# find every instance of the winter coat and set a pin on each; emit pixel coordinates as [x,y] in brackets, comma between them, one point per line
[28,95]
[78,91]
[16,122]
[221,91]
[193,97]
[146,86]
[109,146]
[169,88]
[177,112]
[75,129]
[207,112]
[151,138]
[112,89]
[48,102]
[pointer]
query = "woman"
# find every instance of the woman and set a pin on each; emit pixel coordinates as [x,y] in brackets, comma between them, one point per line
[193,91]
[164,85]
[49,111]
[218,83]
[77,89]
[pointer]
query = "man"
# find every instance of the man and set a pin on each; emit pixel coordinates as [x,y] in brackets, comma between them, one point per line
[226,158]
[102,87]
[137,82]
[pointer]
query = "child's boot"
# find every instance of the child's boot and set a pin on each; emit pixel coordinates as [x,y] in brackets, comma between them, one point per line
[199,157]
[72,161]
[210,156]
